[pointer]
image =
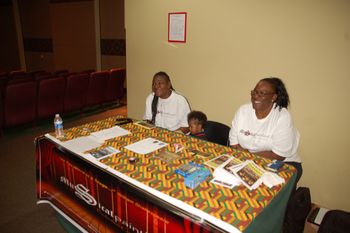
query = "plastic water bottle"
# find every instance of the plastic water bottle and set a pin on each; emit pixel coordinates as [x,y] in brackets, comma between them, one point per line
[58,126]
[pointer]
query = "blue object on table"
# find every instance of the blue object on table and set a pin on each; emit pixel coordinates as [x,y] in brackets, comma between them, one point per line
[187,169]
[197,177]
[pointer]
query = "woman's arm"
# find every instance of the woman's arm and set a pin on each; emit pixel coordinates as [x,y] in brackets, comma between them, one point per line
[270,155]
[266,154]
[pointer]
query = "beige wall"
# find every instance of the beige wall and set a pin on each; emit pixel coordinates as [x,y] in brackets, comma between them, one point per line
[231,45]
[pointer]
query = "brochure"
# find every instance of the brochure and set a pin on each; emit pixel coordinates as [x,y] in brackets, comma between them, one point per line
[104,152]
[216,162]
[224,175]
[199,153]
[250,174]
[166,156]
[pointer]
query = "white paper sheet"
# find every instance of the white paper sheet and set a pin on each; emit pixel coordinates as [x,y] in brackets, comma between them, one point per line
[113,132]
[146,146]
[271,179]
[82,144]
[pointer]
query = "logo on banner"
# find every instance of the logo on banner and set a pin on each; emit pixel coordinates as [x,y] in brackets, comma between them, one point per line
[83,193]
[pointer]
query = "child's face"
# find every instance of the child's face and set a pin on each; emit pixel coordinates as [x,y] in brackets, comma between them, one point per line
[195,126]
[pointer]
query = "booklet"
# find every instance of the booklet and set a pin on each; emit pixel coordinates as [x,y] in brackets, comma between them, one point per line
[166,156]
[250,174]
[104,152]
[199,153]
[224,175]
[216,162]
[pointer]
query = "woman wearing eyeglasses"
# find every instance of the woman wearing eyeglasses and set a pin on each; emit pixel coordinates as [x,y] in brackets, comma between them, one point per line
[265,127]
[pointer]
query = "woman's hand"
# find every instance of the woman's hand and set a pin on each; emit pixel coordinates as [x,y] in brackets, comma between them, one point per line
[239,147]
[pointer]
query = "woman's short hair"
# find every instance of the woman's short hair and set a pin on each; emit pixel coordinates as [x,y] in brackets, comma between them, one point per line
[277,84]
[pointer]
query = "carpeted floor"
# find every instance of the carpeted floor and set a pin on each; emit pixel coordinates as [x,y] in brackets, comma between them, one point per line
[18,209]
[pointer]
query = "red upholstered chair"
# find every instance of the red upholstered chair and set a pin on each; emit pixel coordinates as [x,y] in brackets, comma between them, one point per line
[20,76]
[51,94]
[20,103]
[115,87]
[76,91]
[97,88]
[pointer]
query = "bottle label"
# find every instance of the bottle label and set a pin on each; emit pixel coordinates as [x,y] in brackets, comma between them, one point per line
[58,125]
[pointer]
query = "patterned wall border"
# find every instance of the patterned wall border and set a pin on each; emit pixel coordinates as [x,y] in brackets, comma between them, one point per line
[114,47]
[38,44]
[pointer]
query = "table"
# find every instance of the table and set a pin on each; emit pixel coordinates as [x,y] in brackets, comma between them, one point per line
[148,196]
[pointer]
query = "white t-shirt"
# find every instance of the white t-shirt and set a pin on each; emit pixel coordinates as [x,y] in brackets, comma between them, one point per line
[274,133]
[171,112]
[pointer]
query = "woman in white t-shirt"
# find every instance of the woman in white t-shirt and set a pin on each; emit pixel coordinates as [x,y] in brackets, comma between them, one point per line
[164,107]
[265,127]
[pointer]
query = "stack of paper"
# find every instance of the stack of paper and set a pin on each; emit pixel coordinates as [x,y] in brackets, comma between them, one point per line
[230,172]
[223,174]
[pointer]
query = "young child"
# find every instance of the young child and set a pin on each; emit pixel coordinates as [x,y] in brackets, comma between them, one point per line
[196,122]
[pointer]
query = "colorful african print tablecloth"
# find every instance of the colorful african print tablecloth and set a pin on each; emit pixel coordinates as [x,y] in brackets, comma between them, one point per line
[238,208]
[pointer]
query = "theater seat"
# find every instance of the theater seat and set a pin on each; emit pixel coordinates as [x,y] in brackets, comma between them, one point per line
[50,97]
[76,92]
[115,87]
[97,88]
[20,103]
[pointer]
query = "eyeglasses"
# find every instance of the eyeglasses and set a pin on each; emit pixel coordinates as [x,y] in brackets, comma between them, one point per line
[260,93]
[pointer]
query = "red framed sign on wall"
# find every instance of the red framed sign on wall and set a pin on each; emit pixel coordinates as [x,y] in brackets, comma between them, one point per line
[177,22]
